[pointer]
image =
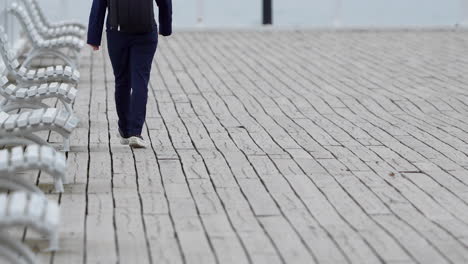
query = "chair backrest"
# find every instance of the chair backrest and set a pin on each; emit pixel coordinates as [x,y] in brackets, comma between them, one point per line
[9,58]
[33,11]
[23,17]
[38,9]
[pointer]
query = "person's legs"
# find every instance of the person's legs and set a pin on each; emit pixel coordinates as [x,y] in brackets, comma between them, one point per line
[119,53]
[142,53]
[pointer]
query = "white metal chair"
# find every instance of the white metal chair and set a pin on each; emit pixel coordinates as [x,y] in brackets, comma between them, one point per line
[35,157]
[42,46]
[25,76]
[44,29]
[20,129]
[32,97]
[33,211]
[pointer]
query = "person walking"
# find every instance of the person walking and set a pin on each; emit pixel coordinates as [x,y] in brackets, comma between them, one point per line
[132,38]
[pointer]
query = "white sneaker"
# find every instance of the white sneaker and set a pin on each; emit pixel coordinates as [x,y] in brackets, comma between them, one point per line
[137,142]
[123,141]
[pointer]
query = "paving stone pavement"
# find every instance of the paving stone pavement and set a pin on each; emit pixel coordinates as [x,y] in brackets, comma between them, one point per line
[277,146]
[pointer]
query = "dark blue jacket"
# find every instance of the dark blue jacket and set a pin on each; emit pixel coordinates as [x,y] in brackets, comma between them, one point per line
[98,13]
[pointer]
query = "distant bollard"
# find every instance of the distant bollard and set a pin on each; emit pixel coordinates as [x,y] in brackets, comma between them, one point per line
[337,13]
[267,12]
[200,9]
[464,13]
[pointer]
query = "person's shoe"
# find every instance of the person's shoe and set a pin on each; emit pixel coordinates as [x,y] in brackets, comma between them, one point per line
[137,142]
[123,140]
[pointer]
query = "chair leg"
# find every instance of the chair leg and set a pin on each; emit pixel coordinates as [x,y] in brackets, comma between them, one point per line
[9,255]
[29,57]
[64,179]
[68,106]
[18,184]
[66,144]
[76,55]
[65,58]
[11,247]
[58,183]
[54,243]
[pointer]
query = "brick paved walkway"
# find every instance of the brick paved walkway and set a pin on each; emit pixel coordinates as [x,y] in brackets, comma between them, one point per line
[277,147]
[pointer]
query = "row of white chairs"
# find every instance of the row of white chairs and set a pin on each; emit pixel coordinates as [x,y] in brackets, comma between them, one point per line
[26,111]
[65,47]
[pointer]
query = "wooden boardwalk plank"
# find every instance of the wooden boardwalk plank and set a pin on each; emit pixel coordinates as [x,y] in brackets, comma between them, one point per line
[275,146]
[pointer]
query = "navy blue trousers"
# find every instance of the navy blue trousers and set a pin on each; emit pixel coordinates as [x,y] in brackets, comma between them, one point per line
[131,57]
